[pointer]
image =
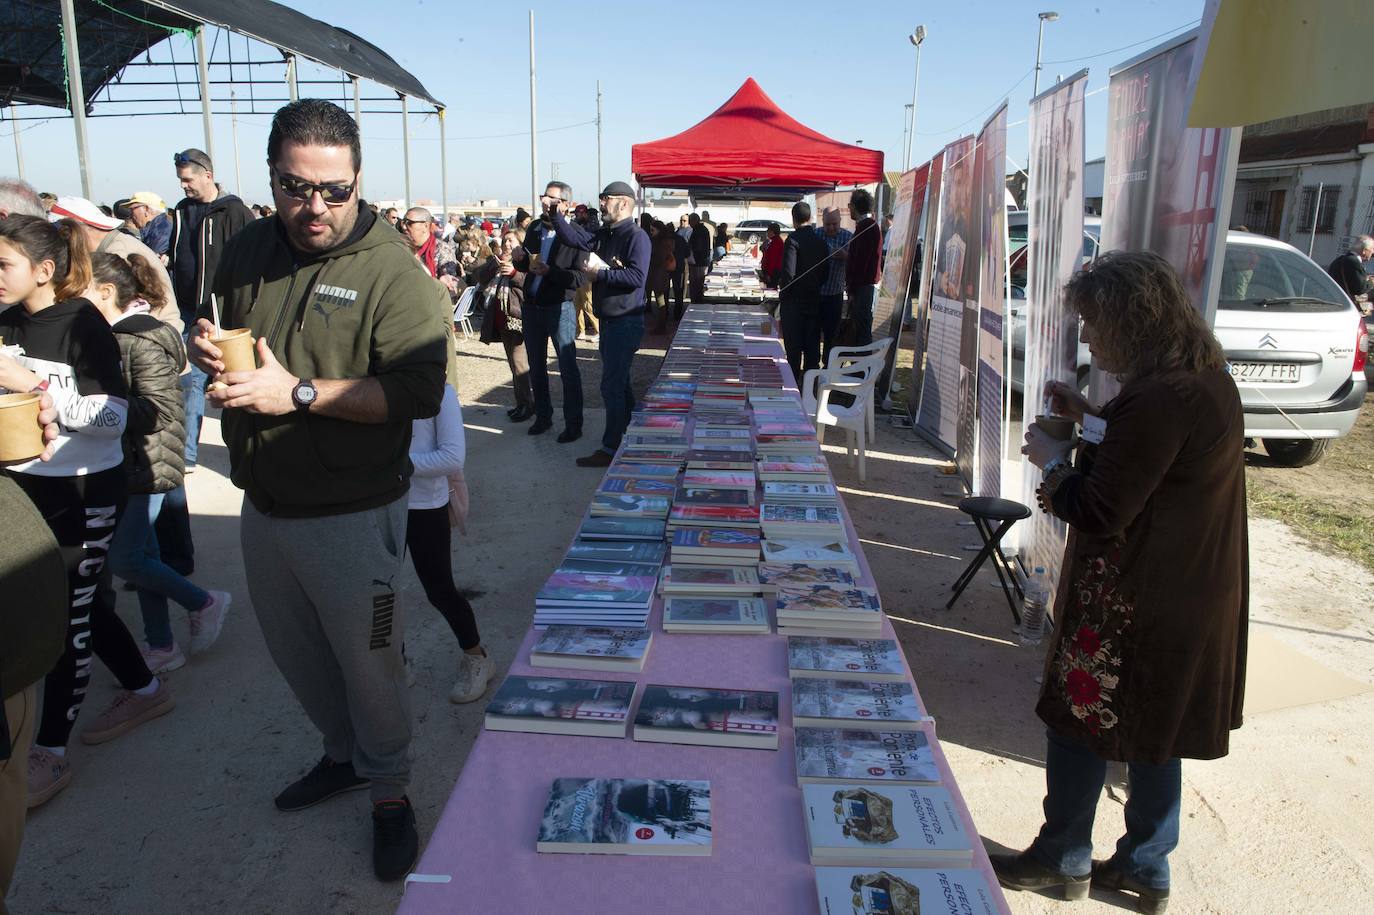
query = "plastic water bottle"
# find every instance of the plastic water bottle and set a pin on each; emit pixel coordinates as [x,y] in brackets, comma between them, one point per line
[1033,610]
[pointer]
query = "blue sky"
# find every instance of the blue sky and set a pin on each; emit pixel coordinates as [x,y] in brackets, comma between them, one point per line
[661,69]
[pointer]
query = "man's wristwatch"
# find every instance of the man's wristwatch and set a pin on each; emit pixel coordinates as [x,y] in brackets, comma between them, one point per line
[304,394]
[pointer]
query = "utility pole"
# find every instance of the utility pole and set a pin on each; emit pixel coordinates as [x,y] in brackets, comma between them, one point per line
[234,131]
[599,185]
[18,149]
[534,148]
[203,73]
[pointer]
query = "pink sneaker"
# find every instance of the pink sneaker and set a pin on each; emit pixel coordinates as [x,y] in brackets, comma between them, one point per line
[207,623]
[163,660]
[128,711]
[48,774]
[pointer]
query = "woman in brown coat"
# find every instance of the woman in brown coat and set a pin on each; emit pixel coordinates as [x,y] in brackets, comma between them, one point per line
[1148,657]
[503,290]
[662,265]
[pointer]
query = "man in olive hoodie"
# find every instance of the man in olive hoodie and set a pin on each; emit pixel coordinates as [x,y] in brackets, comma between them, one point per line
[351,349]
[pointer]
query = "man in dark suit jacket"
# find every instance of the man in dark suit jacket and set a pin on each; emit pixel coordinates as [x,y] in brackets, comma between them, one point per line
[799,293]
[700,242]
[550,283]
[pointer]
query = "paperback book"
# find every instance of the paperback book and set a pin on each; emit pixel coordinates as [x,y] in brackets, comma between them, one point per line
[641,471]
[830,552]
[601,567]
[722,579]
[647,529]
[715,546]
[870,659]
[719,615]
[799,493]
[618,551]
[591,648]
[696,495]
[708,717]
[626,816]
[554,705]
[879,825]
[626,505]
[720,479]
[838,756]
[774,576]
[640,487]
[820,703]
[744,516]
[904,891]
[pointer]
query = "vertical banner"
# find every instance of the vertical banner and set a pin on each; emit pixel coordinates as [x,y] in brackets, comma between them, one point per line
[920,317]
[992,283]
[966,442]
[954,278]
[1054,199]
[890,308]
[1165,182]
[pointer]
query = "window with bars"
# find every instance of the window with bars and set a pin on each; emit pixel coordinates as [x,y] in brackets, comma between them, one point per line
[1326,216]
[1368,227]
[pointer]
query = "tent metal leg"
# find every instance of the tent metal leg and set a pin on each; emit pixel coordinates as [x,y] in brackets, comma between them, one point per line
[443,171]
[405,143]
[358,119]
[203,72]
[76,96]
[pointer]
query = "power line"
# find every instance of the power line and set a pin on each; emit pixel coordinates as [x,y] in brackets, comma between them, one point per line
[1074,60]
[1001,95]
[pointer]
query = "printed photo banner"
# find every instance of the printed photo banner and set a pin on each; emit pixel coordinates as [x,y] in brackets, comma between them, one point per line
[1168,186]
[992,392]
[926,229]
[953,281]
[891,308]
[1047,336]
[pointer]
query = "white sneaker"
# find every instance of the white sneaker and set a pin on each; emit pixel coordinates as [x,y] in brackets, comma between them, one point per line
[207,623]
[474,675]
[163,660]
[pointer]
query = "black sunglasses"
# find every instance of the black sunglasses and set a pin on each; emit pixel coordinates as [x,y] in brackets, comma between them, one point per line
[181,160]
[406,223]
[300,189]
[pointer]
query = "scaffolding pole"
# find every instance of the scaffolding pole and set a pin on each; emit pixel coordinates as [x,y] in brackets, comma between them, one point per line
[443,170]
[358,119]
[599,185]
[405,143]
[534,151]
[203,71]
[76,96]
[291,77]
[18,149]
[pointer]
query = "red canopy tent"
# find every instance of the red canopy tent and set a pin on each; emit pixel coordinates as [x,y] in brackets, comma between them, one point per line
[749,143]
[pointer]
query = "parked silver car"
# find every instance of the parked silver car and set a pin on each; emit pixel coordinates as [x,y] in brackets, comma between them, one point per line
[1296,344]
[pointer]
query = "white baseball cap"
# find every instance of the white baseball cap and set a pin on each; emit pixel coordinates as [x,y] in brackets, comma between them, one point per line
[82,210]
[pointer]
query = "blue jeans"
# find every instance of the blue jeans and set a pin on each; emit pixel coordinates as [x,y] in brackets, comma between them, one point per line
[193,391]
[541,324]
[134,557]
[1074,776]
[619,340]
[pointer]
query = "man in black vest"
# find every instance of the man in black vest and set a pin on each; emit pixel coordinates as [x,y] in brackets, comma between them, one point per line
[799,292]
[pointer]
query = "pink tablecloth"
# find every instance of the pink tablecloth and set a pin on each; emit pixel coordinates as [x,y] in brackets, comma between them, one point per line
[759,864]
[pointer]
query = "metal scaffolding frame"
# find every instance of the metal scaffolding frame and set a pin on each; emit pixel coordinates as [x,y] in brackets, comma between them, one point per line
[129,95]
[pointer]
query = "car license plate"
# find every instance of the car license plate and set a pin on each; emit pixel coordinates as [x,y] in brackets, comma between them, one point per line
[1266,372]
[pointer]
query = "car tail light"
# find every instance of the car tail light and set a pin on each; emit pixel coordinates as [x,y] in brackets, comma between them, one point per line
[1361,347]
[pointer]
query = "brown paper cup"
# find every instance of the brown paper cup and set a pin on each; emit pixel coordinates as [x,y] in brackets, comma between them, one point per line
[237,349]
[1056,427]
[21,438]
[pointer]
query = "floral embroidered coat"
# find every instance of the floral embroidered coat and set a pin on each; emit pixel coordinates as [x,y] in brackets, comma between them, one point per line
[1148,659]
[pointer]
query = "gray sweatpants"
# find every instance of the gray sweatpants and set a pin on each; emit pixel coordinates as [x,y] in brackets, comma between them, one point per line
[323,592]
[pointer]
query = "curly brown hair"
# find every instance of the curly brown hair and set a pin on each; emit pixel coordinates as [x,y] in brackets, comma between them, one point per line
[1142,318]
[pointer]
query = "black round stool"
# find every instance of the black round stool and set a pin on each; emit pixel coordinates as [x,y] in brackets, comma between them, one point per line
[984,510]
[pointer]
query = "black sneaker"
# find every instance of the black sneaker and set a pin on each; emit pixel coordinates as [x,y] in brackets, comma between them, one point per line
[540,427]
[327,779]
[569,435]
[395,844]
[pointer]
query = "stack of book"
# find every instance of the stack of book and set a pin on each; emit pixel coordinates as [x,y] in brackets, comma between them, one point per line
[794,469]
[834,552]
[715,546]
[823,610]
[716,615]
[799,493]
[868,659]
[631,505]
[591,648]
[688,495]
[709,581]
[785,437]
[804,522]
[743,517]
[900,890]
[775,576]
[594,599]
[829,756]
[708,717]
[722,479]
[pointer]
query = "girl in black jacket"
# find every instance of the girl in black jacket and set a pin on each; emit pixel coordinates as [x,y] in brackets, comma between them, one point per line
[124,291]
[68,351]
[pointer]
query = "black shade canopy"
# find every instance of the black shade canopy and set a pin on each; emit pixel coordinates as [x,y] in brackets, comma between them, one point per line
[111,33]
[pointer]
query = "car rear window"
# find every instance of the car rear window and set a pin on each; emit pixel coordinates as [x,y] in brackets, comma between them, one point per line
[1255,278]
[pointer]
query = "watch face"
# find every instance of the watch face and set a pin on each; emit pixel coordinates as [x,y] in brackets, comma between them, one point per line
[305,393]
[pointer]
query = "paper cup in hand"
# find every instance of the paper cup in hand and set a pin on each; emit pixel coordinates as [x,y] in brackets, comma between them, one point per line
[21,438]
[236,350]
[1056,427]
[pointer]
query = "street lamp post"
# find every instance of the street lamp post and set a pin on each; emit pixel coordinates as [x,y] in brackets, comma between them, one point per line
[1040,43]
[916,38]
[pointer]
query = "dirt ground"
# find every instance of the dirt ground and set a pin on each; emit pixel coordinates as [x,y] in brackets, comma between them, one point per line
[177,816]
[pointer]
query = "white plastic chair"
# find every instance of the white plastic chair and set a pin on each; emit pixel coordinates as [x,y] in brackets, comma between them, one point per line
[843,356]
[462,312]
[856,379]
